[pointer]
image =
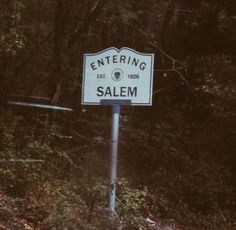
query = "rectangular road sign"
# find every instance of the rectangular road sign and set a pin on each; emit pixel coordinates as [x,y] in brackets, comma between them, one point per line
[118,75]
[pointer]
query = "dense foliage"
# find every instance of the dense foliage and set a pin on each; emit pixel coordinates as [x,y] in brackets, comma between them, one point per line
[177,161]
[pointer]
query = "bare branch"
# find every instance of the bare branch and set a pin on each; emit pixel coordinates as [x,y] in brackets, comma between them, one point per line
[95,6]
[152,43]
[185,81]
[169,70]
[160,90]
[173,60]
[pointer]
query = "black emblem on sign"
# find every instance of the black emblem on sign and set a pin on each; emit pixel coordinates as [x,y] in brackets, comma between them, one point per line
[117,74]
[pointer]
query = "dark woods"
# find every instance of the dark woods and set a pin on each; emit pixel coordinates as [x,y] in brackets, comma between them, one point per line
[177,159]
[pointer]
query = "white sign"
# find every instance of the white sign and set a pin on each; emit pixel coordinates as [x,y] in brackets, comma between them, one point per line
[117,75]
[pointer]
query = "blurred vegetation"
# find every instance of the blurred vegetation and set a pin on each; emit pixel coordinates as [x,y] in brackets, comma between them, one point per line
[177,161]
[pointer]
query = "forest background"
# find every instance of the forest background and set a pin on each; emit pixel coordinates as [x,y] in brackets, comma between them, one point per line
[177,158]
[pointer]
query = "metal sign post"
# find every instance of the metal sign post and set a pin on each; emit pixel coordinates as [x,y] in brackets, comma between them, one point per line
[114,154]
[117,77]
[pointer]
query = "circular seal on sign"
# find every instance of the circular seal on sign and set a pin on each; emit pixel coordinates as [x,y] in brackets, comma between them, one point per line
[117,74]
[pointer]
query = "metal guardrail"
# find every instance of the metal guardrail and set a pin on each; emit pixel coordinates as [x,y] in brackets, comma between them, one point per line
[21,161]
[40,106]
